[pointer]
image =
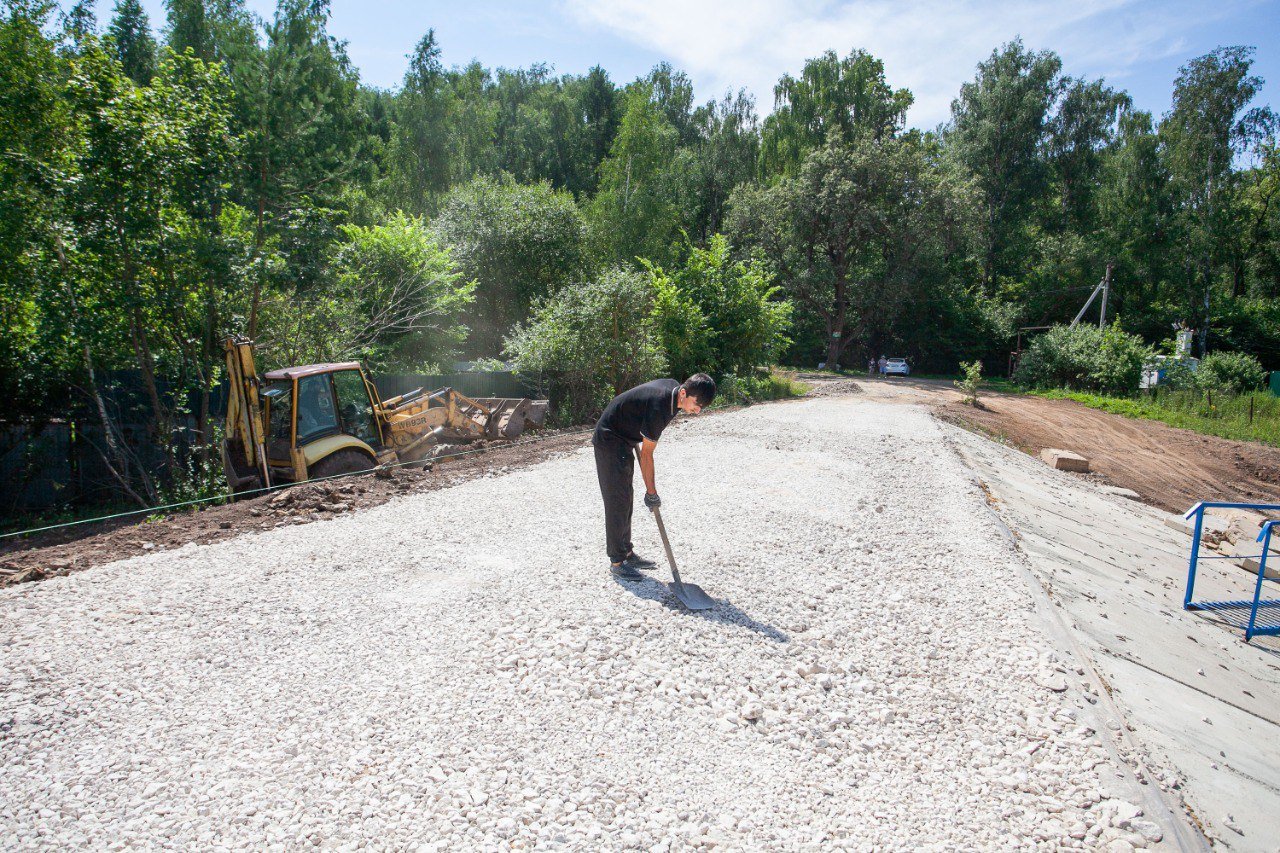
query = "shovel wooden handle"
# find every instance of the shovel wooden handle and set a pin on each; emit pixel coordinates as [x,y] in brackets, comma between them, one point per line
[666,543]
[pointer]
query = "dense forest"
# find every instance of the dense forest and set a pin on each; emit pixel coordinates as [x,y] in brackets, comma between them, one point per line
[237,176]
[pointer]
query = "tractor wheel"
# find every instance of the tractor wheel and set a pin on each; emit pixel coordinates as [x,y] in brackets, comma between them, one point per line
[345,461]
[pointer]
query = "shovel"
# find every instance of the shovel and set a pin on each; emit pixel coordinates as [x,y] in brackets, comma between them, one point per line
[690,594]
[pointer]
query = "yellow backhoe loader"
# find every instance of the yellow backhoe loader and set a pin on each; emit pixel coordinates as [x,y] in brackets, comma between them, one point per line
[301,423]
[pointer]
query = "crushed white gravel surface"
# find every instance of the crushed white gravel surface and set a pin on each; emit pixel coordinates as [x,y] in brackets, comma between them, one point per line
[457,669]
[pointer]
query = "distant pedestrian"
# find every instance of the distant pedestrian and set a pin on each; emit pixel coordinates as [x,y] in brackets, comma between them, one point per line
[883,361]
[871,367]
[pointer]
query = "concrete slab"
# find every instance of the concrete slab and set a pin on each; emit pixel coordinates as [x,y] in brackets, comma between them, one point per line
[1204,705]
[1121,492]
[1065,460]
[1212,524]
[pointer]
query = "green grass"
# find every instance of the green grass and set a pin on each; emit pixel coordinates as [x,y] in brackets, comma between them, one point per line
[999,383]
[1227,417]
[780,384]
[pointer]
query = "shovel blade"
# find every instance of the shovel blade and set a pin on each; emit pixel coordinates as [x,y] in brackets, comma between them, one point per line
[692,596]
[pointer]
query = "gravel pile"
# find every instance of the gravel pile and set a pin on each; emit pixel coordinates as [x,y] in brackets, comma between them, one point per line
[834,388]
[457,670]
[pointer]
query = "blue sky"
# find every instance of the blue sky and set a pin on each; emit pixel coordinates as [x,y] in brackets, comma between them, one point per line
[928,46]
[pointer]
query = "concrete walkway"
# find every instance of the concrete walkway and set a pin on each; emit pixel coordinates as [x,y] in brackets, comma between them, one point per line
[1202,707]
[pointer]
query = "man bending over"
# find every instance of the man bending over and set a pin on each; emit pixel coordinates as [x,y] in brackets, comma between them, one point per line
[637,418]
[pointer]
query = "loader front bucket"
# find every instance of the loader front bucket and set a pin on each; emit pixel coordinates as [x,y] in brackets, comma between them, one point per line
[509,417]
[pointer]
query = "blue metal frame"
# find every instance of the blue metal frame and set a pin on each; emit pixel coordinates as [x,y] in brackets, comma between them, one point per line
[1252,630]
[1264,536]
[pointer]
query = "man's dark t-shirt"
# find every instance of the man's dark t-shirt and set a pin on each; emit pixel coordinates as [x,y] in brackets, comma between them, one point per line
[642,412]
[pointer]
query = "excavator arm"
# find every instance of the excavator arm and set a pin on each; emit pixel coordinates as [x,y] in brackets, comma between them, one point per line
[244,455]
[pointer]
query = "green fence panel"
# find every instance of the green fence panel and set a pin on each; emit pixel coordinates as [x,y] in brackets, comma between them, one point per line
[496,384]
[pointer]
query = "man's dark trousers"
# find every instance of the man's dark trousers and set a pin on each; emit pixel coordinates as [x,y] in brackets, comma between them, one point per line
[615,466]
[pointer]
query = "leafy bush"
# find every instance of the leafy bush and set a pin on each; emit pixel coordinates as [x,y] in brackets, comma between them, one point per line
[1178,374]
[718,315]
[744,390]
[681,326]
[590,342]
[1084,358]
[1231,372]
[969,385]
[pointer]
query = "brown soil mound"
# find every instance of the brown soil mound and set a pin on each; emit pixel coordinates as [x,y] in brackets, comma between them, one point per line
[1171,468]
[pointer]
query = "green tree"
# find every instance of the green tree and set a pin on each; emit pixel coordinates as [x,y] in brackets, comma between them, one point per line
[215,31]
[1078,136]
[634,213]
[859,234]
[997,126]
[144,151]
[1210,124]
[130,35]
[402,294]
[1259,223]
[672,93]
[1138,228]
[77,23]
[597,101]
[518,242]
[36,163]
[418,154]
[309,138]
[473,117]
[722,157]
[846,97]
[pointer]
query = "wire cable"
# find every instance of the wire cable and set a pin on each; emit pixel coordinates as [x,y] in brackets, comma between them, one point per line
[212,498]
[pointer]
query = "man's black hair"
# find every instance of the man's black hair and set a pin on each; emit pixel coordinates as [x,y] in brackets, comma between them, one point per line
[700,387]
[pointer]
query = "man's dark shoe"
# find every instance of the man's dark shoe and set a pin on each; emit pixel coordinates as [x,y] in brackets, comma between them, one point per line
[626,572]
[644,564]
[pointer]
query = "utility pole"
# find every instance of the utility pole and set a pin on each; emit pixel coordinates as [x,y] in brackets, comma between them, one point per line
[1103,287]
[1106,291]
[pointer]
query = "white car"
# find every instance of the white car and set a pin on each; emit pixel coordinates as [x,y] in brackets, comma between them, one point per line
[896,365]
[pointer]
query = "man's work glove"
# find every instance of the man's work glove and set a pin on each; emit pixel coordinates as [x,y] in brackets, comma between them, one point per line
[652,500]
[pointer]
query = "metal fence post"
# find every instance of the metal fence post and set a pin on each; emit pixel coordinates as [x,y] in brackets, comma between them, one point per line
[1265,536]
[1195,556]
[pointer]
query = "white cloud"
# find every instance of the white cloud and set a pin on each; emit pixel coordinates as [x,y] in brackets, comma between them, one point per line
[928,46]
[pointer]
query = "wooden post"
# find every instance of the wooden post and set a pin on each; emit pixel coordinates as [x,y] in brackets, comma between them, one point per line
[1250,410]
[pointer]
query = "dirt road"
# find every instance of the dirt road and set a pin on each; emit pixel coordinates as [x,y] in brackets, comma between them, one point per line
[456,668]
[1170,468]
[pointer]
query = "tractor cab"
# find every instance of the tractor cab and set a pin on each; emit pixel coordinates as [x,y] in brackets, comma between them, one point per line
[321,420]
